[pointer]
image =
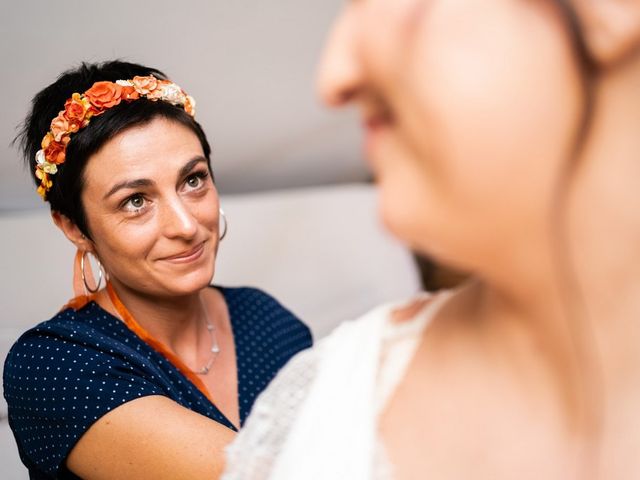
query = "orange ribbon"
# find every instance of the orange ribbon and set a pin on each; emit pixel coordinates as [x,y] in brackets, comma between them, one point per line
[158,346]
[81,299]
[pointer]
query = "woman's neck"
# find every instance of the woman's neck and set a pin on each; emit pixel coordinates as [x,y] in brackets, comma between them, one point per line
[176,321]
[576,291]
[604,225]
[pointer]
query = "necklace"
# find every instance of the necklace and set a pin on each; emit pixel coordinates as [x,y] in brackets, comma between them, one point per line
[124,315]
[214,351]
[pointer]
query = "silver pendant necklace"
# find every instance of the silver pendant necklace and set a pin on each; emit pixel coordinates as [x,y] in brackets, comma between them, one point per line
[214,351]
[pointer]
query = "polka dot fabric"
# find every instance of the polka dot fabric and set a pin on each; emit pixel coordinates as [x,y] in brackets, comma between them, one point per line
[64,374]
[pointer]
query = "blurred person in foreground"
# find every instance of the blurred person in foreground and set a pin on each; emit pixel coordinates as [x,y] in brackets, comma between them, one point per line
[149,377]
[505,139]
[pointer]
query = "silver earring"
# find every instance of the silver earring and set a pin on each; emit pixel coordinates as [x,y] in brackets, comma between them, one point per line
[224,221]
[87,287]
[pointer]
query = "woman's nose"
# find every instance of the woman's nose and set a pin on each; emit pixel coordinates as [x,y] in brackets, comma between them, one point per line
[178,220]
[340,74]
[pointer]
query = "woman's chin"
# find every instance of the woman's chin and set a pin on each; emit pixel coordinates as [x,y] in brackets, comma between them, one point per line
[190,283]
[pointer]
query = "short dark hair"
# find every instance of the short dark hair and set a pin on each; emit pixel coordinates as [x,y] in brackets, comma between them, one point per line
[65,194]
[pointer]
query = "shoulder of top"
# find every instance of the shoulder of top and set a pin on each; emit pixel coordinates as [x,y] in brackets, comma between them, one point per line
[65,323]
[263,308]
[245,292]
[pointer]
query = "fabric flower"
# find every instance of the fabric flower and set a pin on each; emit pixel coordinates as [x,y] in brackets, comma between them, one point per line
[190,105]
[80,108]
[40,157]
[158,92]
[144,85]
[103,95]
[129,93]
[60,127]
[41,175]
[42,190]
[173,94]
[54,152]
[45,183]
[50,168]
[75,109]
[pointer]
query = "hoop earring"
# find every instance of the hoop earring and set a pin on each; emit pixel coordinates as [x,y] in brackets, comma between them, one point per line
[87,287]
[224,219]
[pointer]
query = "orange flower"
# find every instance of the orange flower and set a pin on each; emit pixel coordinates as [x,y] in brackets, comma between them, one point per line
[145,85]
[60,127]
[103,95]
[42,176]
[75,109]
[129,93]
[80,108]
[54,152]
[45,183]
[162,88]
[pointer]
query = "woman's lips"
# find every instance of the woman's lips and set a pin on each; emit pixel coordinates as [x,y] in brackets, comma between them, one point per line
[188,255]
[374,122]
[374,127]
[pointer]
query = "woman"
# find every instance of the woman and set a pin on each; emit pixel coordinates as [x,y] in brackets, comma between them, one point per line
[504,138]
[150,377]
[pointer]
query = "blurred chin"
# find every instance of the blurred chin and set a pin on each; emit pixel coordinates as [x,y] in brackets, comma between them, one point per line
[412,224]
[397,218]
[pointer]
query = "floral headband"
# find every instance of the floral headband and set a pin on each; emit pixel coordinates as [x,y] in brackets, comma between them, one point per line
[81,107]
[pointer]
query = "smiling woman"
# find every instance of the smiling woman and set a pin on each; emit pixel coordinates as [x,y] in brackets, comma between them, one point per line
[158,209]
[151,376]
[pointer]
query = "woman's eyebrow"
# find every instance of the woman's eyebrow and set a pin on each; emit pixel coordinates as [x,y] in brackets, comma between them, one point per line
[131,184]
[145,182]
[190,165]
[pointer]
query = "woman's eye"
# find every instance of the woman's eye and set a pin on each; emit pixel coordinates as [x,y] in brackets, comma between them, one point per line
[135,202]
[194,181]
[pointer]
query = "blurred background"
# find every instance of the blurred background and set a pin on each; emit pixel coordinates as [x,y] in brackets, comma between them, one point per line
[249,65]
[301,209]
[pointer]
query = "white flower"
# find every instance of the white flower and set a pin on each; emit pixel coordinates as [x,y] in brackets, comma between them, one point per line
[50,168]
[125,83]
[40,159]
[173,94]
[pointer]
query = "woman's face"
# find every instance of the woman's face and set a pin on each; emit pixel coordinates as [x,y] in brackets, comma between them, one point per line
[152,209]
[469,108]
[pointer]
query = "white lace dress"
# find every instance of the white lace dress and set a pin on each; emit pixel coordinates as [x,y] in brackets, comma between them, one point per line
[318,418]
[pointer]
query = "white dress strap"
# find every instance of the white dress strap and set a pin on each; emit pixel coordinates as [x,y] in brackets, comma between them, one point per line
[399,344]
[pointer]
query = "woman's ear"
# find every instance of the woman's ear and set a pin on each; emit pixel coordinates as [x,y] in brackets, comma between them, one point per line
[611,28]
[72,232]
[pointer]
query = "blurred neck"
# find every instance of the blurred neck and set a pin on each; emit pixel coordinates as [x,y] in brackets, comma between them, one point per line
[604,218]
[578,290]
[597,237]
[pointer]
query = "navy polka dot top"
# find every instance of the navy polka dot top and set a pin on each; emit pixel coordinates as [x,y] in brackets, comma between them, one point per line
[64,374]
